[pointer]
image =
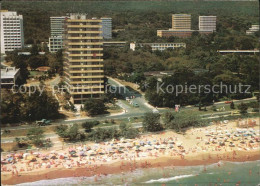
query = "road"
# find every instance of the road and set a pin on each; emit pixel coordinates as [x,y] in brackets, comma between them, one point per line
[54,137]
[130,110]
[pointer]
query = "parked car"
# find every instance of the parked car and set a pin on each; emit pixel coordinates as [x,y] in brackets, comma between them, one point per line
[135,105]
[199,104]
[228,102]
[43,122]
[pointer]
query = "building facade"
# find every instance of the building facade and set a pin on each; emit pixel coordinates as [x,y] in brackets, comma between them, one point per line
[181,22]
[106,27]
[252,30]
[11,31]
[175,33]
[207,23]
[9,76]
[55,43]
[57,25]
[57,30]
[180,33]
[119,44]
[83,52]
[158,46]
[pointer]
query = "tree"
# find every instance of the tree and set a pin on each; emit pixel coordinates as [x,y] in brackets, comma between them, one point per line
[242,108]
[88,125]
[168,117]
[94,106]
[127,131]
[34,50]
[39,106]
[70,133]
[232,105]
[183,120]
[151,122]
[61,130]
[36,137]
[103,134]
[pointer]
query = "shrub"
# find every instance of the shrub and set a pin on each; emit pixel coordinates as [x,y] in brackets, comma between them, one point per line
[151,122]
[127,131]
[242,108]
[88,125]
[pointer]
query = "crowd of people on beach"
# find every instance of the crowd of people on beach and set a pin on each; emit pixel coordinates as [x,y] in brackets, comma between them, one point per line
[217,138]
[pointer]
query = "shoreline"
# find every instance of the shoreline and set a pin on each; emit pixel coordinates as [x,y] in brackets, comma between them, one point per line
[125,166]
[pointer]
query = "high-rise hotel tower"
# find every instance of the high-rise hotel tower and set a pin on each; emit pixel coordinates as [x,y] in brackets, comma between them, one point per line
[181,21]
[57,30]
[83,63]
[11,31]
[207,23]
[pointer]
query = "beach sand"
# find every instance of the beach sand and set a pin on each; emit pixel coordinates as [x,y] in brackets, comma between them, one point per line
[192,139]
[126,166]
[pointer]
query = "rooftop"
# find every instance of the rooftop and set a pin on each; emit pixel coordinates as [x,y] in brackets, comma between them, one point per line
[9,72]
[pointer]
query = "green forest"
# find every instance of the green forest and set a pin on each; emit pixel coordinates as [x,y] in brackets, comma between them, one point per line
[139,19]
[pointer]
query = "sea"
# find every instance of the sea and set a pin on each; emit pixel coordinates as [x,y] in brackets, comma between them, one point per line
[222,173]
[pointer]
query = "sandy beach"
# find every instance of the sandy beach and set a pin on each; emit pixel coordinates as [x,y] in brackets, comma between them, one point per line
[198,146]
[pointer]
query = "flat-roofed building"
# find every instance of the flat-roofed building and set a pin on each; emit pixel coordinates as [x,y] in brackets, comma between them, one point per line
[55,43]
[11,31]
[181,21]
[255,51]
[106,27]
[207,23]
[180,33]
[83,52]
[57,25]
[119,44]
[57,31]
[158,46]
[252,30]
[9,76]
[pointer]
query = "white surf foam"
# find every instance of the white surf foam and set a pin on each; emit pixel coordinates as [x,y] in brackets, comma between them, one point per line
[162,180]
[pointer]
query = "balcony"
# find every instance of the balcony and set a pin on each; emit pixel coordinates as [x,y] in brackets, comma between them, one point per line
[86,87]
[84,32]
[71,55]
[85,60]
[84,26]
[85,49]
[85,43]
[85,71]
[78,93]
[80,82]
[90,66]
[75,77]
[94,37]
[84,20]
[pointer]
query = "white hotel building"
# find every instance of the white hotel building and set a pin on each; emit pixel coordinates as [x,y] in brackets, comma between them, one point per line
[11,31]
[207,23]
[57,30]
[158,46]
[106,27]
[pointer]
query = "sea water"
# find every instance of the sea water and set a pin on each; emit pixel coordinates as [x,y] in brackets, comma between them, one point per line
[222,173]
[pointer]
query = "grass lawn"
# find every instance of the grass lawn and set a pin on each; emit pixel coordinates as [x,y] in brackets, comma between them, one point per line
[34,73]
[114,109]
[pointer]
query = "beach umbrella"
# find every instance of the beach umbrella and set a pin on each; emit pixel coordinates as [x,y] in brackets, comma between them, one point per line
[79,148]
[179,144]
[73,152]
[25,154]
[171,142]
[10,159]
[81,153]
[31,158]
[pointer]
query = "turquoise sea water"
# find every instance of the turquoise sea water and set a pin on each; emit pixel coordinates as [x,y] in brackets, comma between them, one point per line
[228,173]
